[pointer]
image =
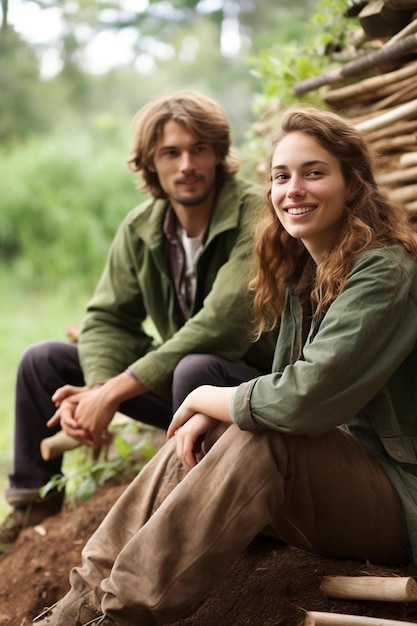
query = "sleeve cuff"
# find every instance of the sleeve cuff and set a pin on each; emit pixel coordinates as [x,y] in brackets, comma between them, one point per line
[240,407]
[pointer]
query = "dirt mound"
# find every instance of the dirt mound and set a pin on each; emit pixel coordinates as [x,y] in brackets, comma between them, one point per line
[269,585]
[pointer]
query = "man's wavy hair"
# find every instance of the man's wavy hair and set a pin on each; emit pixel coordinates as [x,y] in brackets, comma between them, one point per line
[370,219]
[199,114]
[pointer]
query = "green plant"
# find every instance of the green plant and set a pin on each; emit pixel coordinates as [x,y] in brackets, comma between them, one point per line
[82,475]
[288,62]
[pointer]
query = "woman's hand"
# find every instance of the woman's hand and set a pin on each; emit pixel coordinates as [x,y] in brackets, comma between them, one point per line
[189,437]
[208,400]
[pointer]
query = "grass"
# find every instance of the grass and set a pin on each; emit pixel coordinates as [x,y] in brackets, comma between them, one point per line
[28,315]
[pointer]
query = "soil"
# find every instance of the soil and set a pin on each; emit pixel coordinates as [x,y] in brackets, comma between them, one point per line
[270,584]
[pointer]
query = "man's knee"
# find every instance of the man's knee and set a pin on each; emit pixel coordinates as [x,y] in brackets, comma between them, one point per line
[193,371]
[197,367]
[44,354]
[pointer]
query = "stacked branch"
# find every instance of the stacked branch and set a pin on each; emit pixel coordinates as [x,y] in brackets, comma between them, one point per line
[387,589]
[377,91]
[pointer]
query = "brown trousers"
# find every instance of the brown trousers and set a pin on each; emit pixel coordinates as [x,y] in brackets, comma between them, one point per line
[171,536]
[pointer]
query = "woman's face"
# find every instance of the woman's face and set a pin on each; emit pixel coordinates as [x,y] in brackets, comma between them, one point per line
[308,191]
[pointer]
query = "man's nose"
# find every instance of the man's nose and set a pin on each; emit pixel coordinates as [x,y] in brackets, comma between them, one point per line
[186,161]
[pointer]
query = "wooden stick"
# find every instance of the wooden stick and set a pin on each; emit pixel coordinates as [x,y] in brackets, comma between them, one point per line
[409,158]
[362,64]
[385,119]
[371,84]
[403,94]
[398,176]
[381,56]
[411,206]
[317,618]
[400,128]
[407,30]
[407,193]
[390,144]
[57,444]
[389,589]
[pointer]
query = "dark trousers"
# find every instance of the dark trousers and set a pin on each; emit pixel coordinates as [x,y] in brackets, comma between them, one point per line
[49,365]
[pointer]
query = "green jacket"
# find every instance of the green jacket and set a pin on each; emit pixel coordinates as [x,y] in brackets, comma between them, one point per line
[358,367]
[136,285]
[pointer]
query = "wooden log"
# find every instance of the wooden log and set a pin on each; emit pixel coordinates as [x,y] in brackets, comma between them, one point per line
[388,589]
[389,89]
[379,57]
[378,20]
[398,176]
[56,445]
[393,144]
[369,61]
[400,4]
[400,128]
[380,89]
[400,112]
[403,94]
[407,193]
[407,30]
[362,115]
[317,618]
[411,207]
[409,158]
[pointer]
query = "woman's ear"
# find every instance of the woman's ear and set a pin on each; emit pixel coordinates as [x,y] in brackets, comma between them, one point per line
[351,187]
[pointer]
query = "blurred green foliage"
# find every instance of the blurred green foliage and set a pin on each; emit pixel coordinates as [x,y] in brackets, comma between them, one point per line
[62,199]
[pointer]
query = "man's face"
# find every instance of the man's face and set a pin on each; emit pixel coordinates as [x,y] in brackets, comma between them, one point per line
[186,166]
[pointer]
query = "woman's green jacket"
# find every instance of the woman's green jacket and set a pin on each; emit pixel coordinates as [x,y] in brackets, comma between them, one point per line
[358,368]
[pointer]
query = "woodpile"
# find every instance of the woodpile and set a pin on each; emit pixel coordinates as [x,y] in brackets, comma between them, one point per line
[375,85]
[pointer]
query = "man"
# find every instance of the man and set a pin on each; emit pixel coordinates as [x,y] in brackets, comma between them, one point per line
[179,259]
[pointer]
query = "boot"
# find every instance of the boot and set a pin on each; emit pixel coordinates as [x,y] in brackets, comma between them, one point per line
[73,610]
[29,514]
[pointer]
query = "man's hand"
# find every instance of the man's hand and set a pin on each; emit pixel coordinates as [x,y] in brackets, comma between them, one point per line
[85,413]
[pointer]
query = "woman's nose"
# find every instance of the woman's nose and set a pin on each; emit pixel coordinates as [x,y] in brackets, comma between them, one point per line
[296,186]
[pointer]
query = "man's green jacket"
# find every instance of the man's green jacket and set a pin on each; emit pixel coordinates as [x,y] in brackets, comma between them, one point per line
[136,286]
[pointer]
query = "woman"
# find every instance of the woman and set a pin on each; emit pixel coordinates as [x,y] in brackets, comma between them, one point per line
[322,450]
